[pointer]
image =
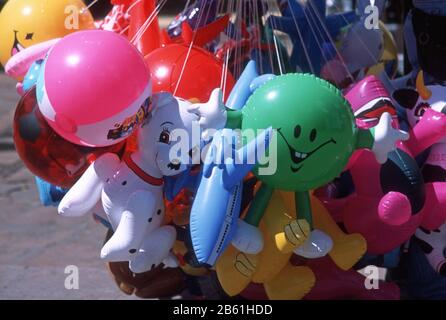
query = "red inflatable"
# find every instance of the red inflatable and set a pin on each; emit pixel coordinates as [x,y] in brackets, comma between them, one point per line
[44,152]
[202,72]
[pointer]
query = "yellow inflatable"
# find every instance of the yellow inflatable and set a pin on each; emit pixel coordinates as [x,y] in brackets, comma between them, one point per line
[236,270]
[27,22]
[282,234]
[347,248]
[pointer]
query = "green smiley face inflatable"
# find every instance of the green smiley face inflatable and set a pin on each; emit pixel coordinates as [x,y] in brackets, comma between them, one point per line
[315,127]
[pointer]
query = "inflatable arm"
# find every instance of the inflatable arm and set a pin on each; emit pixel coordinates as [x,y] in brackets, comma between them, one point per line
[86,192]
[20,63]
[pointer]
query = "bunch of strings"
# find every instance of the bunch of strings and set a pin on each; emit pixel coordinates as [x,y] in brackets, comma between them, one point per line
[253,15]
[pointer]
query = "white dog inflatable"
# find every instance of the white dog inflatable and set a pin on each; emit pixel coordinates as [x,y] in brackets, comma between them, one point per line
[131,190]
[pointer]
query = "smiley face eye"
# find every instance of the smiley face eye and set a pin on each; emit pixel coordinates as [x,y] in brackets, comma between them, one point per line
[297,131]
[29,36]
[313,135]
[165,137]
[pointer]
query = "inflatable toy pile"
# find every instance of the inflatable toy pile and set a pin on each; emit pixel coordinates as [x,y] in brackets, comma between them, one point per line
[216,150]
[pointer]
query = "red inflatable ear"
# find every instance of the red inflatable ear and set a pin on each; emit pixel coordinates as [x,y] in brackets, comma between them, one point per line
[205,34]
[140,12]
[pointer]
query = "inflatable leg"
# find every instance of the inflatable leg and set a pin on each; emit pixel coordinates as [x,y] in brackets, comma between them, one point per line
[135,221]
[281,223]
[292,283]
[235,270]
[154,250]
[282,233]
[347,248]
[83,196]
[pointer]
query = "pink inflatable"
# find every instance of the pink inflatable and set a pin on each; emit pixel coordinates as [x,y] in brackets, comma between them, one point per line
[93,87]
[391,200]
[19,64]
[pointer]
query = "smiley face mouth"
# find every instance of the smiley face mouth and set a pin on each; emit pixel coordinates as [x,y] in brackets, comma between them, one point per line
[298,157]
[16,47]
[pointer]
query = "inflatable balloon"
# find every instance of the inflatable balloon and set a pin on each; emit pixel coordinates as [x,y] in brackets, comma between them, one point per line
[271,267]
[93,88]
[211,235]
[236,270]
[195,74]
[390,200]
[303,133]
[132,190]
[22,61]
[221,188]
[27,22]
[335,139]
[420,105]
[44,152]
[360,49]
[156,283]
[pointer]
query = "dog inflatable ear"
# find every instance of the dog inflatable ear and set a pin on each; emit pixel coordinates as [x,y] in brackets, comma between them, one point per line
[160,100]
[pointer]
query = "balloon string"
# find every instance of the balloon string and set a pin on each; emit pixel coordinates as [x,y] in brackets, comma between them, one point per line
[148,22]
[238,38]
[319,39]
[144,25]
[225,68]
[278,53]
[124,30]
[187,5]
[301,38]
[218,11]
[132,6]
[226,72]
[367,49]
[257,34]
[84,10]
[200,15]
[267,38]
[230,11]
